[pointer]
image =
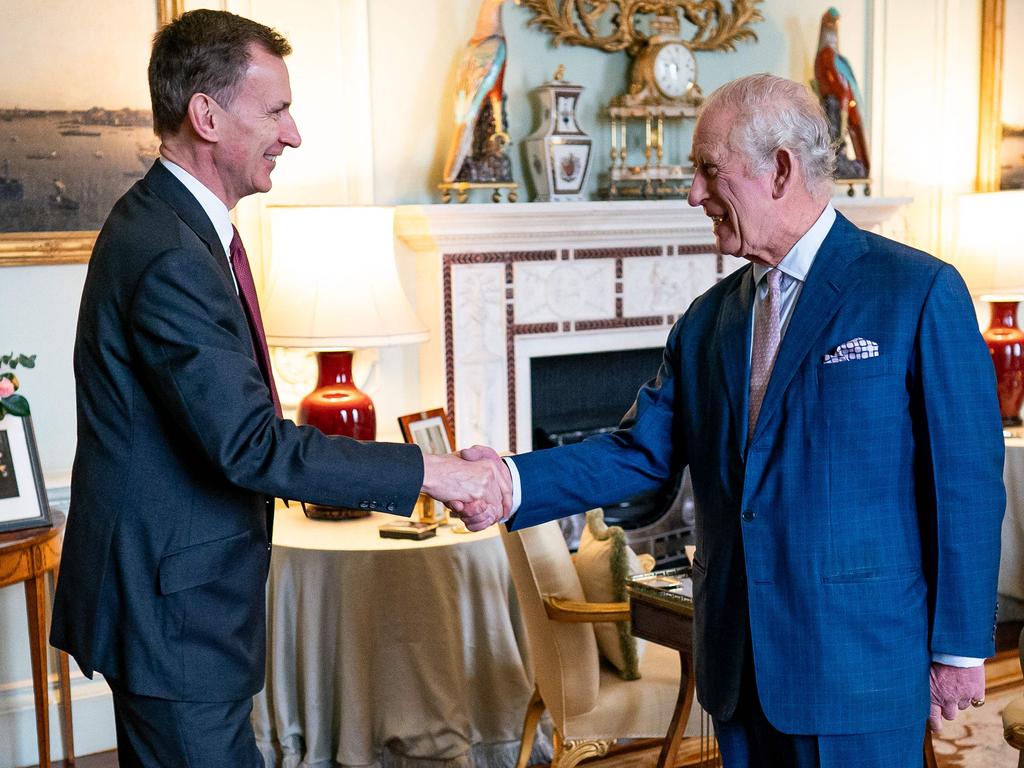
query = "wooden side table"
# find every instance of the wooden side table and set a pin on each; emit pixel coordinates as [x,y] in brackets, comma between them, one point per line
[27,556]
[670,623]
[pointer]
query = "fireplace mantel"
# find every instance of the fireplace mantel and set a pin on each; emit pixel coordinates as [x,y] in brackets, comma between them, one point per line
[500,284]
[488,227]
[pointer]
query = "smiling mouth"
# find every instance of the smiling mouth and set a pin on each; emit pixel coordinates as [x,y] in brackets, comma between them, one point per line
[716,220]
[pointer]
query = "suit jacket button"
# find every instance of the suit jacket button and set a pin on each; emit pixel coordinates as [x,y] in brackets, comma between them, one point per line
[748,515]
[391,507]
[364,505]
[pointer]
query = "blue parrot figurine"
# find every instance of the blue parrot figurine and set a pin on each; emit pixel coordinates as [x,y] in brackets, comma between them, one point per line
[477,150]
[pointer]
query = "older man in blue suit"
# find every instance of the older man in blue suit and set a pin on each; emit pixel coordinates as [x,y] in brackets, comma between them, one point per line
[836,406]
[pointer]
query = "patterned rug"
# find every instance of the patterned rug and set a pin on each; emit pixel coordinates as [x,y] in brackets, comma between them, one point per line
[975,738]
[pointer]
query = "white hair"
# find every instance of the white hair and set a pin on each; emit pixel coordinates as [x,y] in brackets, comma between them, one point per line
[774,113]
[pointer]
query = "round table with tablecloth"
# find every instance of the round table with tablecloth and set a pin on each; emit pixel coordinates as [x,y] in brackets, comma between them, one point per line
[390,651]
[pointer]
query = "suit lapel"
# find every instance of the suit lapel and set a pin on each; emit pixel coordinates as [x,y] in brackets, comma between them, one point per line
[819,300]
[173,192]
[733,333]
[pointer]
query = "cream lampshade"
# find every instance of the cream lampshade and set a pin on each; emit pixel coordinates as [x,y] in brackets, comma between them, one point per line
[333,287]
[991,253]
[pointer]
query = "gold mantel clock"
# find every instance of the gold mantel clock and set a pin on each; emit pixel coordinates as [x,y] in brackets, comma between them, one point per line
[664,69]
[662,93]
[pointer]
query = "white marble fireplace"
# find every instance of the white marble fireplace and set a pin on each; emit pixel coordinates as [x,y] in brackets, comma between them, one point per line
[503,284]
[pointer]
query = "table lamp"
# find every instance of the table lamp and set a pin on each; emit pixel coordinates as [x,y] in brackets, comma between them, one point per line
[991,249]
[333,287]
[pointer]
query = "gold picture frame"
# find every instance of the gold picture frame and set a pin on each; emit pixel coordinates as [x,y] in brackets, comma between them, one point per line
[168,10]
[997,53]
[19,249]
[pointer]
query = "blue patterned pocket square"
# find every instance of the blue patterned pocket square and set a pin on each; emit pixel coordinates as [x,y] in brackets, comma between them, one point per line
[854,349]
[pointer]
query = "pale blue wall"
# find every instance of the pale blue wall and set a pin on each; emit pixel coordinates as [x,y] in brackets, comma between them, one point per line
[413,70]
[38,311]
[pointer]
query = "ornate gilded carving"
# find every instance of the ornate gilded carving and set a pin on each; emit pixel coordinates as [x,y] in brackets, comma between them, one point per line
[569,753]
[579,22]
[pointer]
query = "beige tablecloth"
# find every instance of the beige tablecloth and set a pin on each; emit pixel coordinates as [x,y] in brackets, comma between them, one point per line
[386,652]
[1011,563]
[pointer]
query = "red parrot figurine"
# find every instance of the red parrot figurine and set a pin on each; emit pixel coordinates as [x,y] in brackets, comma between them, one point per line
[837,88]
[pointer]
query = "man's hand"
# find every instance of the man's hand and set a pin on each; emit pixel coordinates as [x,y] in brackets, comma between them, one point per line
[483,453]
[480,492]
[954,688]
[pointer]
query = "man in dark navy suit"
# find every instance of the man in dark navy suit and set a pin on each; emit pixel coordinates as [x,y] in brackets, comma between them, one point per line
[181,444]
[836,406]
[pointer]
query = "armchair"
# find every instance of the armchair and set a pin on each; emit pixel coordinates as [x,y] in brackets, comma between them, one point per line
[591,706]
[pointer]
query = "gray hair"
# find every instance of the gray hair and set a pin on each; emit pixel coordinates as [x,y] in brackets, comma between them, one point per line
[774,113]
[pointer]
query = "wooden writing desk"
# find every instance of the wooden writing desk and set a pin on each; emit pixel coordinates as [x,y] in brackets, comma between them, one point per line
[27,556]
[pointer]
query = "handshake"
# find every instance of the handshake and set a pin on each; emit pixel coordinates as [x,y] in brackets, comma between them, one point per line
[474,483]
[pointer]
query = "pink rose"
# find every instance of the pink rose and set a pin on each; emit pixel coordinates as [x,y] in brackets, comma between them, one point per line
[6,387]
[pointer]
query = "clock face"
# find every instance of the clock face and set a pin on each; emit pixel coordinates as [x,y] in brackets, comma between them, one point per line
[675,70]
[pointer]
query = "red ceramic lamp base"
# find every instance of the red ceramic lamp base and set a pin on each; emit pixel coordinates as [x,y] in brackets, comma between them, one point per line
[1006,344]
[337,407]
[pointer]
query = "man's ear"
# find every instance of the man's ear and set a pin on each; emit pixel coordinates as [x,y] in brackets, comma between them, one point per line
[204,116]
[783,173]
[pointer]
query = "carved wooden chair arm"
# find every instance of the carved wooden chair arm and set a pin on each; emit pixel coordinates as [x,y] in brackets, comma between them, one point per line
[1013,724]
[575,611]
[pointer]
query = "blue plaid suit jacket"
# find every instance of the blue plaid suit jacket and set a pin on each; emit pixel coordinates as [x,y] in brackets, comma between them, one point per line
[859,532]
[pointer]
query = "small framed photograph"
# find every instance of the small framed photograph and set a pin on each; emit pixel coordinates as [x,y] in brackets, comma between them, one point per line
[430,430]
[23,502]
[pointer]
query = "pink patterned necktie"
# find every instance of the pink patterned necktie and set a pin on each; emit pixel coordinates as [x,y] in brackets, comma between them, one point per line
[247,288]
[767,334]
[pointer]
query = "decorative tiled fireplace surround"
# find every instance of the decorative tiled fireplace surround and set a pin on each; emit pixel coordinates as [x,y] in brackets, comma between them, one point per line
[532,280]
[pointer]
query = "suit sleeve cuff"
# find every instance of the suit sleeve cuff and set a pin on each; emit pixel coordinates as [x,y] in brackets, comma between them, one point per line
[956,661]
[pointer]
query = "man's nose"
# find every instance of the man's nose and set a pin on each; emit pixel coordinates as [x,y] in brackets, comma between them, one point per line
[698,191]
[290,132]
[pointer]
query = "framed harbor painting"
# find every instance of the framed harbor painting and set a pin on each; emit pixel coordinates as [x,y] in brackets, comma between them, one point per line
[1001,120]
[76,129]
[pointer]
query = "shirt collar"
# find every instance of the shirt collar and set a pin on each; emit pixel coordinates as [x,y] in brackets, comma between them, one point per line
[212,205]
[797,263]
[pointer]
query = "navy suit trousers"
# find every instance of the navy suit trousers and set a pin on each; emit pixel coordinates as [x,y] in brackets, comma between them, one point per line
[749,740]
[163,733]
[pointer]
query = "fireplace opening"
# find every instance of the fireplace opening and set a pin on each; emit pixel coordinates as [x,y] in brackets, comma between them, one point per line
[579,395]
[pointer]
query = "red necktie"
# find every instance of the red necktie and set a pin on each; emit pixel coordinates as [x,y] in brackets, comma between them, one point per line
[247,289]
